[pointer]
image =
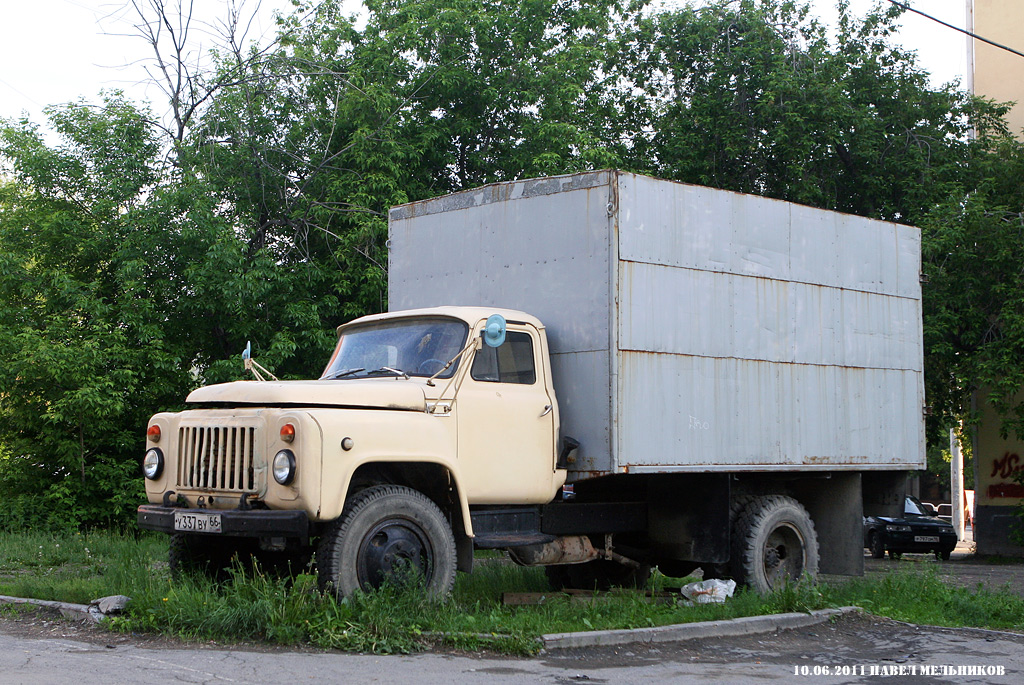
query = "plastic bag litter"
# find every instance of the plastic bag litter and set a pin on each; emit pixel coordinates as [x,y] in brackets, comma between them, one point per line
[709,591]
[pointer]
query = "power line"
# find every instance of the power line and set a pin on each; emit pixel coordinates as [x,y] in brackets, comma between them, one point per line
[957,28]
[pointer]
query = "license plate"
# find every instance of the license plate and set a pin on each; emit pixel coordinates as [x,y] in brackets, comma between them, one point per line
[926,538]
[197,523]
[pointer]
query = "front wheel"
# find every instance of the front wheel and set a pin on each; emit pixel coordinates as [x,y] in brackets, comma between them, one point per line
[206,555]
[876,545]
[774,542]
[385,533]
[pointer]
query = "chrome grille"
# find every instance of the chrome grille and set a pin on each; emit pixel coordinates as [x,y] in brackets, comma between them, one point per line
[217,458]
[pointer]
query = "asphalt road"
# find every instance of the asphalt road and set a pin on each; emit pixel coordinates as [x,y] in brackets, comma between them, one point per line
[853,649]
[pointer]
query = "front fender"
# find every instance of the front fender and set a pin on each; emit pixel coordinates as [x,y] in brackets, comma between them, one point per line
[382,436]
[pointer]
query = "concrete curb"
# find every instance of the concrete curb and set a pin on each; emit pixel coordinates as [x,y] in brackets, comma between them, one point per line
[65,608]
[748,625]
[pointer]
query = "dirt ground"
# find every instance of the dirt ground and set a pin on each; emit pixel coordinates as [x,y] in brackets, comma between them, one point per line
[964,568]
[969,572]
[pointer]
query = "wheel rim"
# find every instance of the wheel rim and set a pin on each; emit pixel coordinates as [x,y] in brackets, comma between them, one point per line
[390,549]
[783,555]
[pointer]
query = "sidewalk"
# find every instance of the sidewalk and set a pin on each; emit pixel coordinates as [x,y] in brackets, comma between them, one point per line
[965,547]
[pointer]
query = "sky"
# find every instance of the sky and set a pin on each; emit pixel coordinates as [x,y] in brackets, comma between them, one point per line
[55,51]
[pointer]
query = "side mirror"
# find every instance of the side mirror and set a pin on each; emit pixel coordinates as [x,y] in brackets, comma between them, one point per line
[494,330]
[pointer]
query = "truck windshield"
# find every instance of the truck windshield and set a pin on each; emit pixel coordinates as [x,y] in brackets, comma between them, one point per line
[414,347]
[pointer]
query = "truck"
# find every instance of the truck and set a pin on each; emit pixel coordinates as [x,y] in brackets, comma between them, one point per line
[601,373]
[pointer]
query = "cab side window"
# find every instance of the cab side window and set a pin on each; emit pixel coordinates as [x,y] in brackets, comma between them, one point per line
[511,363]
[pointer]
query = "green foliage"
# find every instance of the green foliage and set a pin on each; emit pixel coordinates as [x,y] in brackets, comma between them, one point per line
[79,331]
[753,96]
[1017,526]
[974,301]
[498,90]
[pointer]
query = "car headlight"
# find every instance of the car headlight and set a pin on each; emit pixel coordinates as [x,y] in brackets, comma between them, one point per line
[284,467]
[897,529]
[153,463]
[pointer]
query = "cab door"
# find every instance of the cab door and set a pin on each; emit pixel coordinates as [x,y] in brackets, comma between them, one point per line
[507,422]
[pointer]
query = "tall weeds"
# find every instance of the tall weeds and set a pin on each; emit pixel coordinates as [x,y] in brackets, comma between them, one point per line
[255,606]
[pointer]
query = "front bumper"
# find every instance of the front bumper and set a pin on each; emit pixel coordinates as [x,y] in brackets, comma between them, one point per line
[249,523]
[904,542]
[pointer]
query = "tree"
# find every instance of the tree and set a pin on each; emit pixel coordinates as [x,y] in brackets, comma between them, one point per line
[82,313]
[973,249]
[498,90]
[752,96]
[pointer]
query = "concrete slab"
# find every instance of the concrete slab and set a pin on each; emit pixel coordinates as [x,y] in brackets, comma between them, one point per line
[748,625]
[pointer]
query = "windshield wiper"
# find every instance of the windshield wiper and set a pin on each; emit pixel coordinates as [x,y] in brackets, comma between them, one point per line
[389,370]
[342,374]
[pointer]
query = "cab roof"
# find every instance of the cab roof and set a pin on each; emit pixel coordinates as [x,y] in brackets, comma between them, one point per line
[471,315]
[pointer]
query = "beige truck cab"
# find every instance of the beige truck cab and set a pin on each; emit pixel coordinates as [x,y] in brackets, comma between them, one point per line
[419,417]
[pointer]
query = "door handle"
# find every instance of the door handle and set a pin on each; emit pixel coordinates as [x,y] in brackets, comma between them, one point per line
[547,410]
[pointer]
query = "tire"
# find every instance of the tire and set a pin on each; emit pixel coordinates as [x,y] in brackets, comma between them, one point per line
[382,530]
[876,545]
[200,554]
[773,542]
[943,554]
[895,556]
[288,564]
[601,574]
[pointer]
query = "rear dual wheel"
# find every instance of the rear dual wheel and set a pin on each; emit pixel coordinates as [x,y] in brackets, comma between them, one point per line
[773,542]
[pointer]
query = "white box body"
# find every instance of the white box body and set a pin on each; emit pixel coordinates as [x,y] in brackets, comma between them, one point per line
[691,329]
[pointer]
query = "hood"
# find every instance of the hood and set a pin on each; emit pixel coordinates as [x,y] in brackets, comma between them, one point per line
[389,393]
[916,519]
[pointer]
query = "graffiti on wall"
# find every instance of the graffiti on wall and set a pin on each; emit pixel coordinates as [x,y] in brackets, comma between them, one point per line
[1004,469]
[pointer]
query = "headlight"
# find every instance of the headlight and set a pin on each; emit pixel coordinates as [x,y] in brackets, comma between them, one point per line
[284,467]
[153,463]
[898,529]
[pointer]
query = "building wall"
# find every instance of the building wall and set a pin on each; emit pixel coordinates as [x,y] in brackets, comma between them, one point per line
[997,495]
[999,74]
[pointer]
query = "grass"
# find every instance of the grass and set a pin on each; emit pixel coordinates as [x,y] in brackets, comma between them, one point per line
[77,567]
[252,606]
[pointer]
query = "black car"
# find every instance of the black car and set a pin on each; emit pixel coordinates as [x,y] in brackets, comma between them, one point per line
[919,530]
